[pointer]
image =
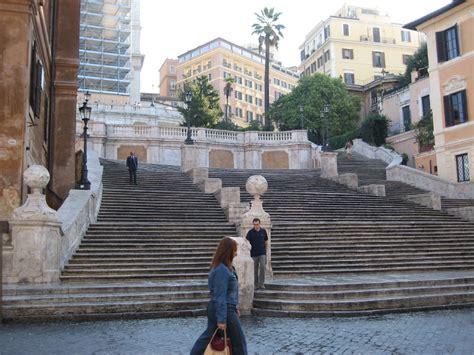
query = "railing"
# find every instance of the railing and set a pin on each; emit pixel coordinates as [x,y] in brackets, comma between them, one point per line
[380,39]
[204,134]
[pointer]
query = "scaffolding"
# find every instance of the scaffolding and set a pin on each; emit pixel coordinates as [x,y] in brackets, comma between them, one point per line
[105,46]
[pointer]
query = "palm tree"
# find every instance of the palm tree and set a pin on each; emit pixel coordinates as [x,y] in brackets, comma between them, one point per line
[269,33]
[227,91]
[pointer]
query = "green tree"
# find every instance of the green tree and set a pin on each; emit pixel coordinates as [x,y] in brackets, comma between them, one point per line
[227,91]
[419,60]
[269,33]
[424,132]
[374,129]
[204,107]
[306,101]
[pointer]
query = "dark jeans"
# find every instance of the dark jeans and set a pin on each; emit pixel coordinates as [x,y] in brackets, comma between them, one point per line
[133,174]
[234,331]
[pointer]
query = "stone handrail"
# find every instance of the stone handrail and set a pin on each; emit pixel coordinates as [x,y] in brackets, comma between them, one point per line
[371,152]
[205,134]
[80,208]
[430,182]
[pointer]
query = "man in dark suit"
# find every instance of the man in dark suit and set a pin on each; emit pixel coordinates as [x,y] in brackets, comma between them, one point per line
[132,165]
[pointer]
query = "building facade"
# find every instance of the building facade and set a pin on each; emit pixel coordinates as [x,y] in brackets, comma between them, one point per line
[220,59]
[359,45]
[449,32]
[168,78]
[38,67]
[110,47]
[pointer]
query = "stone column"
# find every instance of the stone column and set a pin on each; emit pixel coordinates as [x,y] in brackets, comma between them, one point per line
[328,164]
[256,186]
[243,264]
[189,157]
[36,235]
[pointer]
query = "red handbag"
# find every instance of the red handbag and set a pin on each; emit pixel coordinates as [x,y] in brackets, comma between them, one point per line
[218,344]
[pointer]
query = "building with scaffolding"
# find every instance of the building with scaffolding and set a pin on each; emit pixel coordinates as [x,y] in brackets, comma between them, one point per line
[110,58]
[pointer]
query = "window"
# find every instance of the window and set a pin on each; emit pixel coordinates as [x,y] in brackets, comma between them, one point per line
[238,80]
[285,85]
[249,98]
[278,95]
[349,78]
[378,59]
[172,70]
[36,82]
[425,105]
[259,118]
[302,55]
[406,36]
[455,108]
[327,32]
[249,116]
[406,118]
[327,56]
[238,94]
[227,75]
[447,44]
[258,101]
[172,84]
[405,58]
[376,34]
[320,62]
[276,81]
[462,165]
[248,83]
[345,29]
[238,112]
[347,53]
[313,67]
[258,87]
[209,76]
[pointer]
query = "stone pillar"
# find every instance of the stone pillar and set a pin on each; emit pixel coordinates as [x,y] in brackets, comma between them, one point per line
[328,165]
[36,235]
[243,264]
[189,157]
[256,186]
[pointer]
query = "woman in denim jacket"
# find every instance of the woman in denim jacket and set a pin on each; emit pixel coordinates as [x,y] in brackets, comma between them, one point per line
[222,309]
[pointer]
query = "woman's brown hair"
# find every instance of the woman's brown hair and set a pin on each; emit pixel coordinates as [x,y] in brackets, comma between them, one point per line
[224,252]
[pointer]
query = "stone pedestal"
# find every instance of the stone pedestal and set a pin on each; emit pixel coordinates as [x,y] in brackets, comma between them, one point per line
[189,157]
[350,180]
[199,175]
[243,264]
[35,235]
[228,195]
[430,200]
[328,165]
[373,189]
[256,186]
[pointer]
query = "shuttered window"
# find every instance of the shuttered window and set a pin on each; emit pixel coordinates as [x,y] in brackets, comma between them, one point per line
[447,44]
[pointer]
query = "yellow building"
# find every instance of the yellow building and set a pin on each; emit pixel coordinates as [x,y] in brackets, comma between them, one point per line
[220,59]
[168,78]
[359,45]
[449,32]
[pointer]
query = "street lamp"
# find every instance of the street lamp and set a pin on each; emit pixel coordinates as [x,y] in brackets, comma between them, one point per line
[323,113]
[85,112]
[301,116]
[227,92]
[188,99]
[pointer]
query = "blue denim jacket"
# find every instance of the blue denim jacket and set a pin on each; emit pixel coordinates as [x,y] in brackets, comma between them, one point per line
[224,287]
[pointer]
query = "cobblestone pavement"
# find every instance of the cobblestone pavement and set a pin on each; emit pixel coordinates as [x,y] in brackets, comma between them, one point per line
[436,332]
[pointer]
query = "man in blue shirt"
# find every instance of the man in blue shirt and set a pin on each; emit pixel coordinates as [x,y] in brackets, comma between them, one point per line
[258,239]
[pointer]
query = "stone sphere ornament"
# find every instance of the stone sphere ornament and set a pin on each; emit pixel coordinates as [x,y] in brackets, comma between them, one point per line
[36,177]
[256,185]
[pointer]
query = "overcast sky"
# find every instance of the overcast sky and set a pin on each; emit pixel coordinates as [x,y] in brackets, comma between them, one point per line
[170,28]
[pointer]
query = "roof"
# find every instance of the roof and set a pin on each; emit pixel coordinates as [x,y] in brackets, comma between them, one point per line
[412,25]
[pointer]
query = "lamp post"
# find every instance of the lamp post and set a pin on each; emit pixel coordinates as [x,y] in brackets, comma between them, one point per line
[85,112]
[188,99]
[227,92]
[323,113]
[301,116]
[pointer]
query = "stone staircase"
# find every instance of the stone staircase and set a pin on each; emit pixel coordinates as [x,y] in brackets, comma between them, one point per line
[324,230]
[372,171]
[147,255]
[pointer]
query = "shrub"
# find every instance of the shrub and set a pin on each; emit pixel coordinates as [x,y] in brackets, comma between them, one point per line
[340,141]
[374,129]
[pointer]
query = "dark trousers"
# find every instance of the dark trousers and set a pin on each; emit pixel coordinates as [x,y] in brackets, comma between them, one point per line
[133,174]
[234,331]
